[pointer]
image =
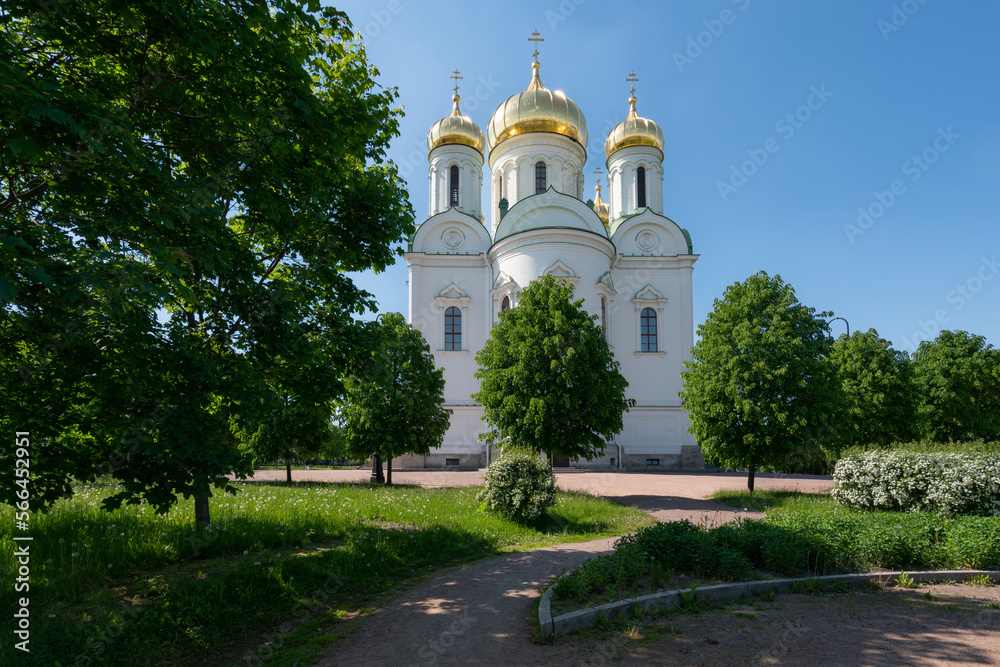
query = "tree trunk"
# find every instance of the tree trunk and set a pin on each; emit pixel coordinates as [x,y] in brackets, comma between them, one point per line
[377,476]
[388,471]
[202,518]
[288,472]
[750,472]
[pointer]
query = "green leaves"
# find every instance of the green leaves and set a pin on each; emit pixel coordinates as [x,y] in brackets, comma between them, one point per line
[957,377]
[183,194]
[394,402]
[758,387]
[547,378]
[877,384]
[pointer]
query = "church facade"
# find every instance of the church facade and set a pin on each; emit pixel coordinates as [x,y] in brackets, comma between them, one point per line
[631,264]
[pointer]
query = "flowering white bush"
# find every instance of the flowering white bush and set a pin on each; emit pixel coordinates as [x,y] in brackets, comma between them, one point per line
[519,486]
[945,483]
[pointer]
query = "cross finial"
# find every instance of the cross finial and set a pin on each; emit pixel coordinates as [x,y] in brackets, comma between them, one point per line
[598,173]
[456,77]
[632,79]
[536,37]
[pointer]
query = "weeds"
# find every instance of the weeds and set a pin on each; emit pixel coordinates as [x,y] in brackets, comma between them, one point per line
[981,580]
[131,587]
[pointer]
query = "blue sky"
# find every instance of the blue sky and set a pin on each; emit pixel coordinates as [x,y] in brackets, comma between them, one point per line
[851,147]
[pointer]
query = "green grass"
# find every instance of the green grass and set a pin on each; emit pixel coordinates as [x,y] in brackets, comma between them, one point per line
[802,535]
[282,564]
[765,499]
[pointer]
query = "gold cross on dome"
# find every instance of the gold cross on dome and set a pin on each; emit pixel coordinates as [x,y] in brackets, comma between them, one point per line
[536,37]
[632,79]
[456,77]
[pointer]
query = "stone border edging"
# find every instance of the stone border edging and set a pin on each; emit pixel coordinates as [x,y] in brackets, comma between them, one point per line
[585,618]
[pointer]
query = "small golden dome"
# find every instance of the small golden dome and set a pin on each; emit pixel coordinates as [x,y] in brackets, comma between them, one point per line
[634,131]
[600,208]
[537,109]
[456,129]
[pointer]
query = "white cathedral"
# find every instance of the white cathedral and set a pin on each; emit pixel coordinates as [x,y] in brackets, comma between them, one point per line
[630,264]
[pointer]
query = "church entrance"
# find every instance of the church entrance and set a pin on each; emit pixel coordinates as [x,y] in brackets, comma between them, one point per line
[559,461]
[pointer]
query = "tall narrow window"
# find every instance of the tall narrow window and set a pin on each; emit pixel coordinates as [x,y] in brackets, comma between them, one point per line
[640,187]
[499,187]
[604,318]
[539,177]
[647,331]
[453,187]
[453,329]
[505,304]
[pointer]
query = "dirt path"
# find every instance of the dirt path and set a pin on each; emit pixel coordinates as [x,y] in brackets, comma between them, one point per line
[483,614]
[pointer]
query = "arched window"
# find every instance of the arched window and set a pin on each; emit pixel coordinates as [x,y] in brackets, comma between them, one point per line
[647,331]
[505,304]
[539,177]
[640,187]
[453,329]
[499,187]
[604,318]
[453,187]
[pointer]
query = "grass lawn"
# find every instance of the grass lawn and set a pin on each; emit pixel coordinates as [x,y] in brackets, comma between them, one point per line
[271,581]
[802,535]
[765,499]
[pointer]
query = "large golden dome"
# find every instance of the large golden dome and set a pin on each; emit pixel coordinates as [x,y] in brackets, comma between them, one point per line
[456,129]
[634,131]
[537,109]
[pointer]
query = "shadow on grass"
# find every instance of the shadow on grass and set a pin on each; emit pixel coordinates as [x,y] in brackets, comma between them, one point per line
[185,612]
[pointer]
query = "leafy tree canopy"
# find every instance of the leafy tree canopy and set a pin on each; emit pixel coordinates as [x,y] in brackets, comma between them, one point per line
[547,378]
[879,405]
[758,387]
[184,187]
[957,376]
[395,405]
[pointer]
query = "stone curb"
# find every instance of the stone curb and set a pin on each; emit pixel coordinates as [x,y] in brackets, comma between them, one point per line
[585,618]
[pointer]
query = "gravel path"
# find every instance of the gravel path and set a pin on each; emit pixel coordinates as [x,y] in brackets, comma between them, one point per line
[482,614]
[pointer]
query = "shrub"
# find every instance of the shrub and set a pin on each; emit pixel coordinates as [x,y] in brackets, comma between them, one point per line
[519,486]
[904,481]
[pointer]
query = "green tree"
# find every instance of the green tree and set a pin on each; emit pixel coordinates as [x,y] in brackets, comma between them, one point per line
[878,395]
[396,405]
[957,376]
[185,186]
[293,431]
[548,381]
[758,387]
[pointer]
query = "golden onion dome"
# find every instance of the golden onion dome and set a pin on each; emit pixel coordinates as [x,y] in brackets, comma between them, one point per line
[456,129]
[537,109]
[634,131]
[601,208]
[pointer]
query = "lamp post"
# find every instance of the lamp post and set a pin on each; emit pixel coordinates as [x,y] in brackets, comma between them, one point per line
[377,475]
[845,322]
